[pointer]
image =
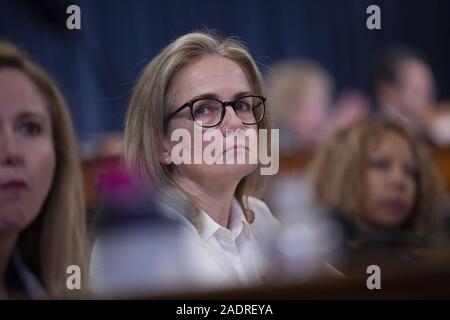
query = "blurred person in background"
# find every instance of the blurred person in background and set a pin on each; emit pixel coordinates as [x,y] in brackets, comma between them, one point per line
[404,88]
[379,181]
[42,214]
[301,94]
[202,81]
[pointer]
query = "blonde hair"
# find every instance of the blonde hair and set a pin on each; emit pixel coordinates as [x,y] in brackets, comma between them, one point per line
[144,126]
[57,237]
[288,80]
[339,167]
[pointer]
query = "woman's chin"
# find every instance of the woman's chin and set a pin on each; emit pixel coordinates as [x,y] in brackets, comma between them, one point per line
[236,170]
[14,218]
[391,221]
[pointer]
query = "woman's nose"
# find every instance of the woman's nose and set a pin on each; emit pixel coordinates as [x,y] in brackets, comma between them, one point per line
[397,177]
[10,152]
[231,119]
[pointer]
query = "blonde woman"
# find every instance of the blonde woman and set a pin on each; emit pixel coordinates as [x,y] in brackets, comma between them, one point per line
[301,92]
[381,182]
[201,82]
[42,217]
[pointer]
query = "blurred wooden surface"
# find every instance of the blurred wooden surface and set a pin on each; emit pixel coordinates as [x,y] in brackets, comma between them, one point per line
[442,156]
[430,281]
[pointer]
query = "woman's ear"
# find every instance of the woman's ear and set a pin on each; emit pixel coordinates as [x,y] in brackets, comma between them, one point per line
[165,157]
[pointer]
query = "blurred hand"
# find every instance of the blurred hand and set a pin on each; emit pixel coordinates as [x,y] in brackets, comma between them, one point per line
[350,106]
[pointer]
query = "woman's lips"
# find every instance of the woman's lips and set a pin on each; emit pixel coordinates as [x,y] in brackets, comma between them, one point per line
[395,204]
[235,149]
[237,146]
[13,185]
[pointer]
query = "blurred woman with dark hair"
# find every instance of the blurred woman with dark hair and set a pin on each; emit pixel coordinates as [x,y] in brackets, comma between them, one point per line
[380,181]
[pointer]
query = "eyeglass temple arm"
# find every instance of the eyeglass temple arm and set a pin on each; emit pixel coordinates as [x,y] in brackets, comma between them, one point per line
[176,111]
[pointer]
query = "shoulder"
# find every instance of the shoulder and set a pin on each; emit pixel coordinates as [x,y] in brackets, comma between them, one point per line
[19,277]
[264,218]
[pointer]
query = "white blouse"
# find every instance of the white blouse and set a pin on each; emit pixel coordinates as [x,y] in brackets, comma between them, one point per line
[236,253]
[215,257]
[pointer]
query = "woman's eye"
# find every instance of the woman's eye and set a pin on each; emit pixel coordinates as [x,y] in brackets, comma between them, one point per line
[30,128]
[380,164]
[242,106]
[205,110]
[201,111]
[411,171]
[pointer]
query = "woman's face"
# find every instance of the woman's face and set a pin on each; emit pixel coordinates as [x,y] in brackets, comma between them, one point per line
[222,79]
[308,115]
[390,183]
[27,157]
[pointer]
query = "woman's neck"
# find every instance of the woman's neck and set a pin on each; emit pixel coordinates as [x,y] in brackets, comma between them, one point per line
[215,200]
[7,244]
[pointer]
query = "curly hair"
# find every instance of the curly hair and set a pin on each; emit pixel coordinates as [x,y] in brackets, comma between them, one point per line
[339,167]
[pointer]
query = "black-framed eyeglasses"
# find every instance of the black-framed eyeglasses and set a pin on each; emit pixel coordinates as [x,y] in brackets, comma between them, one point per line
[209,112]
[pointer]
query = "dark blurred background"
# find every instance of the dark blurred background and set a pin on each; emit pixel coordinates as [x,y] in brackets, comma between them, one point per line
[97,66]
